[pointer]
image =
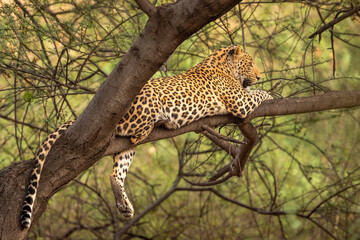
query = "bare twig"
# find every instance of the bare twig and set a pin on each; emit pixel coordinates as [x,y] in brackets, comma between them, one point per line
[330,197]
[255,209]
[210,183]
[148,209]
[32,19]
[275,86]
[335,21]
[239,14]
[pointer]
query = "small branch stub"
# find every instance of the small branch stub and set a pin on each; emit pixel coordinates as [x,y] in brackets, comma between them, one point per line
[146,6]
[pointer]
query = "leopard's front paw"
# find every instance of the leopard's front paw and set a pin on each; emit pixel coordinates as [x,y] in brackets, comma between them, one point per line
[263,95]
[268,96]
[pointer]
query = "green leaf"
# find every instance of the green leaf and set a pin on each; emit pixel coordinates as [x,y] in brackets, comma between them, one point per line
[28,97]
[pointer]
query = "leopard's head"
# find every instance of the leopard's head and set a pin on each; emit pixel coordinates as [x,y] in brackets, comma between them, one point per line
[242,66]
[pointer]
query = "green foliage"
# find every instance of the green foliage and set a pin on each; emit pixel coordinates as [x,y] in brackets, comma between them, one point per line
[28,97]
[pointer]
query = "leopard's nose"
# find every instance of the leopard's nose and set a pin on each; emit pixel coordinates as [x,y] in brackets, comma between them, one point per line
[258,78]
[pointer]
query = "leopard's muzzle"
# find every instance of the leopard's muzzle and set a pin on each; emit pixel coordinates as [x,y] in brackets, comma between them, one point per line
[246,83]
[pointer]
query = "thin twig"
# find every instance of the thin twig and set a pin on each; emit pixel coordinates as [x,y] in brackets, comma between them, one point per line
[335,21]
[330,197]
[210,183]
[220,173]
[148,209]
[255,209]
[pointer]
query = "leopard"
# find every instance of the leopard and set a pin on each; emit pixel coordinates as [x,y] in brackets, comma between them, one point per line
[218,85]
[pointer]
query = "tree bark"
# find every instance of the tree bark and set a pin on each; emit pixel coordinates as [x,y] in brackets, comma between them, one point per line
[88,139]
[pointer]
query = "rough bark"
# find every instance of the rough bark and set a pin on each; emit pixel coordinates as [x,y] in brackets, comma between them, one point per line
[88,139]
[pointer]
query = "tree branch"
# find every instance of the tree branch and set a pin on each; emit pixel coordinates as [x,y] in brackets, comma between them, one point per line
[335,21]
[22,123]
[221,137]
[146,6]
[327,101]
[251,138]
[237,166]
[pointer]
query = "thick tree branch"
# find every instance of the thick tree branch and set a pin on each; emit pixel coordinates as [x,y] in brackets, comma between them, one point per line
[327,101]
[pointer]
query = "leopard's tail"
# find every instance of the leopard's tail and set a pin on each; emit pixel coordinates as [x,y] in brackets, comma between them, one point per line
[40,158]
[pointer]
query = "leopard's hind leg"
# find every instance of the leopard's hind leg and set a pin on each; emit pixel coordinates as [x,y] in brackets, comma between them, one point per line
[121,166]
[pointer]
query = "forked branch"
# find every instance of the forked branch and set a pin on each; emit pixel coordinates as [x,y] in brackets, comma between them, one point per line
[239,154]
[237,165]
[146,6]
[335,21]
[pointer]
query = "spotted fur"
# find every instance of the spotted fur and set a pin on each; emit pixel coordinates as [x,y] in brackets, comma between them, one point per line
[44,150]
[217,85]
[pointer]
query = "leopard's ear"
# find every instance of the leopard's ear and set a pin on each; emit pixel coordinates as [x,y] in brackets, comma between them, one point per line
[238,50]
